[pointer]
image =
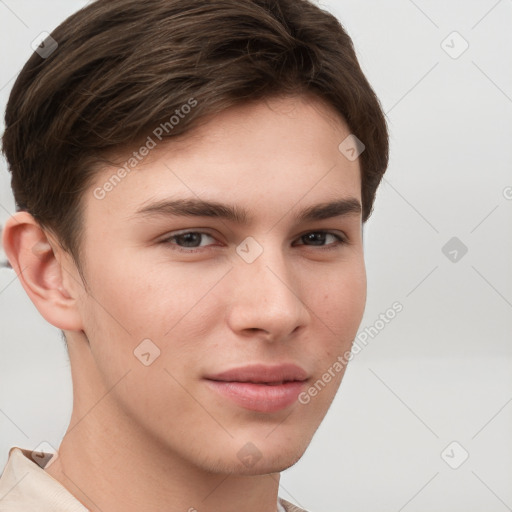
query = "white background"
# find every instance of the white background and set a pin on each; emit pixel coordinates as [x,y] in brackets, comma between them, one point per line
[440,371]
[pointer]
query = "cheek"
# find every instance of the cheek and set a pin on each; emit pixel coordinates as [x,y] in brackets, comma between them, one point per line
[164,304]
[338,308]
[339,303]
[132,295]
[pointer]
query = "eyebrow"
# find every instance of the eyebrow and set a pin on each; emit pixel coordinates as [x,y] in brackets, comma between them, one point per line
[239,215]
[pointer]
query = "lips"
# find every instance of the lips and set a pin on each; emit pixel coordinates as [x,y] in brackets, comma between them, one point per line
[261,374]
[260,388]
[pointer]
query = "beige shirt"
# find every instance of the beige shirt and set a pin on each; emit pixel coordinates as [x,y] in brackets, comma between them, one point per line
[26,487]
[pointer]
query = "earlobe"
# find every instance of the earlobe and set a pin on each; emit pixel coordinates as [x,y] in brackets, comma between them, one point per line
[44,271]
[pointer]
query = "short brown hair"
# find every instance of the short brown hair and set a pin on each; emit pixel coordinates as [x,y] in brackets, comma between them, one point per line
[123,67]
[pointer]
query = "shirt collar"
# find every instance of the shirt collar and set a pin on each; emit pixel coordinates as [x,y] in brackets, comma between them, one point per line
[25,485]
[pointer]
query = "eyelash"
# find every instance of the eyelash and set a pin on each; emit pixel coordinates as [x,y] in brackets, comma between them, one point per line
[167,241]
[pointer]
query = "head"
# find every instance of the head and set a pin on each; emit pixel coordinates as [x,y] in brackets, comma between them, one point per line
[118,139]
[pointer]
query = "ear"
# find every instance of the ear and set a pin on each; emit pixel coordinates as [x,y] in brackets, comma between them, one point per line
[45,270]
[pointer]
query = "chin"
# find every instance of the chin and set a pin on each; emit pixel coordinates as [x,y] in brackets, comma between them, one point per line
[274,449]
[269,456]
[275,464]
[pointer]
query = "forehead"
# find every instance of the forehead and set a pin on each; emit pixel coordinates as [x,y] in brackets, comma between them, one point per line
[268,154]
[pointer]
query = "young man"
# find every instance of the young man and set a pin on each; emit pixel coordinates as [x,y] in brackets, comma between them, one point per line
[191,180]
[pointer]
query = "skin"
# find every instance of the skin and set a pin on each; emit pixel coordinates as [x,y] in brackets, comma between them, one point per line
[157,437]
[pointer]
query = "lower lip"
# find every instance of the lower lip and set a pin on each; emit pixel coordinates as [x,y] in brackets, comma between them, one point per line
[259,397]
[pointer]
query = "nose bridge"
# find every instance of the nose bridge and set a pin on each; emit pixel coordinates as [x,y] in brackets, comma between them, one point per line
[267,295]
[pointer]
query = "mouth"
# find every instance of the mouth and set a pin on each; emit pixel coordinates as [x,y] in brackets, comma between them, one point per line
[263,383]
[262,374]
[260,388]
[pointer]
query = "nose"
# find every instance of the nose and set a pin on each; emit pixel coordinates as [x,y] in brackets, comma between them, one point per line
[266,297]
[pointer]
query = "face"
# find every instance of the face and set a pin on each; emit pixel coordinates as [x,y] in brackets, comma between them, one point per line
[216,328]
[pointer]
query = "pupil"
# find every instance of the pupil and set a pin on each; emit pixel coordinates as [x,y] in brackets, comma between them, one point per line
[189,237]
[313,237]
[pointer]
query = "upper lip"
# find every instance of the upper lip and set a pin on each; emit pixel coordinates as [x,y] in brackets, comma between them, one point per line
[260,373]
